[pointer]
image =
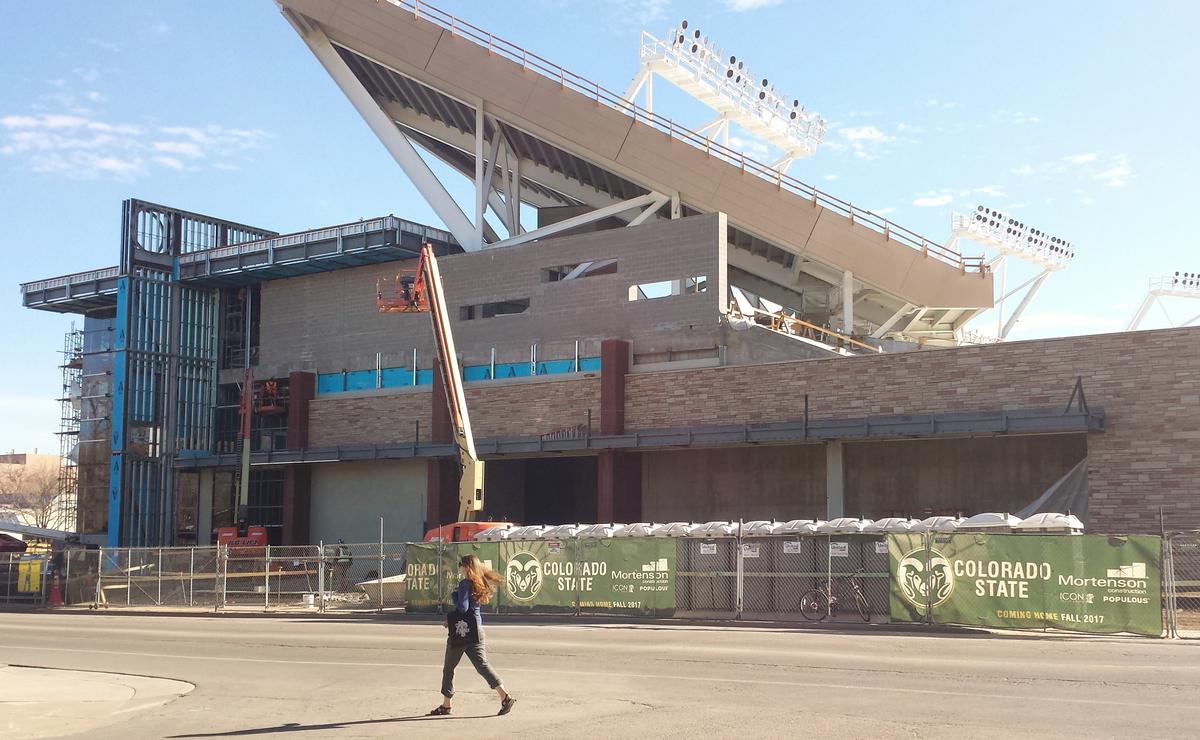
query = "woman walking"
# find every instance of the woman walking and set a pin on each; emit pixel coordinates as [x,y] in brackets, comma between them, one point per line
[466,632]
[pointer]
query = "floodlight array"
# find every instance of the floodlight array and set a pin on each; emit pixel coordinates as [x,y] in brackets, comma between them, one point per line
[1013,235]
[747,91]
[1184,281]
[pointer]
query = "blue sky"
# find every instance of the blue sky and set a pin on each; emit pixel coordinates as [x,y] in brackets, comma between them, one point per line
[1079,117]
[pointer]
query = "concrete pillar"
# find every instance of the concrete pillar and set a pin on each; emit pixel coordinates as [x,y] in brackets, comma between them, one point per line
[848,302]
[619,486]
[297,479]
[618,474]
[204,508]
[835,481]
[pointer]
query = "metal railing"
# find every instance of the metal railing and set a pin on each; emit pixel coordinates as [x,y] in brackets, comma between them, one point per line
[72,279]
[1181,596]
[567,79]
[315,235]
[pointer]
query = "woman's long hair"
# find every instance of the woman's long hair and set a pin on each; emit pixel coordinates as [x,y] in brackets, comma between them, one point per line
[483,579]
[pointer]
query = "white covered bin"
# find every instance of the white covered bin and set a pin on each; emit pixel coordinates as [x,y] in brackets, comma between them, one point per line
[1050,523]
[989,522]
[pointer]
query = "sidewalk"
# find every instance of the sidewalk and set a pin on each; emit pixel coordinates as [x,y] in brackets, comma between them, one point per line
[34,707]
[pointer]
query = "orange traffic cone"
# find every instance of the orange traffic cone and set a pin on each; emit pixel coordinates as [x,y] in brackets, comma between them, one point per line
[56,597]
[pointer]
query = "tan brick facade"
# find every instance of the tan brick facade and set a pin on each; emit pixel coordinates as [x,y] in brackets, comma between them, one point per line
[1148,384]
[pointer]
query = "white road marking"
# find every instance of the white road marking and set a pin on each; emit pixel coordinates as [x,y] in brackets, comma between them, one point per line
[645,676]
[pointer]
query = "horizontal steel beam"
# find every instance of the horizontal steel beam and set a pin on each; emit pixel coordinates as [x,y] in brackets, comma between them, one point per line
[919,426]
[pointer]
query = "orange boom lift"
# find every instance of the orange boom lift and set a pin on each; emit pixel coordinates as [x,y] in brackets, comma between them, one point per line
[420,291]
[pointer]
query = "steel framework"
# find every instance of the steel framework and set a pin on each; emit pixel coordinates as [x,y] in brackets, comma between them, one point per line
[1179,285]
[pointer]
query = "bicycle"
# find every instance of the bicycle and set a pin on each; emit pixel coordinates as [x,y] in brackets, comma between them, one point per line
[820,602]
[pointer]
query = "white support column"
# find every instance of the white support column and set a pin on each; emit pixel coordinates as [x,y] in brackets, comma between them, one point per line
[482,186]
[1143,309]
[650,92]
[915,320]
[580,220]
[388,134]
[835,481]
[676,206]
[1003,262]
[1024,304]
[650,211]
[883,328]
[848,302]
[636,85]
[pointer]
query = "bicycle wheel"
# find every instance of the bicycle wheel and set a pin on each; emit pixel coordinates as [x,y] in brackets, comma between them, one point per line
[814,605]
[864,608]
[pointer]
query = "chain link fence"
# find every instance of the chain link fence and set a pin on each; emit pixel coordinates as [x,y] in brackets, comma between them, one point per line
[1182,594]
[834,578]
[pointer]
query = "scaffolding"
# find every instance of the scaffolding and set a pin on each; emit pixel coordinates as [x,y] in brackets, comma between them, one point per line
[64,508]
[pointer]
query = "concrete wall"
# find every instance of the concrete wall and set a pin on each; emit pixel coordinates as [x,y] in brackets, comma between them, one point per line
[947,476]
[348,499]
[329,322]
[786,482]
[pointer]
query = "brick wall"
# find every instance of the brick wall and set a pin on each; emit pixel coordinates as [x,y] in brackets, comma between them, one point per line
[504,409]
[1147,382]
[368,418]
[328,322]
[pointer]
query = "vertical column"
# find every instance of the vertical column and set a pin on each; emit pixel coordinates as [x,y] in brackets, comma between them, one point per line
[297,479]
[441,487]
[835,481]
[848,302]
[619,473]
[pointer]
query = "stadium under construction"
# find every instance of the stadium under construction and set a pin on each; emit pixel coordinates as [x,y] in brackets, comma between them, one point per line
[651,327]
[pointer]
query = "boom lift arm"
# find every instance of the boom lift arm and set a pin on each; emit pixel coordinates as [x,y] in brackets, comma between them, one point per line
[420,291]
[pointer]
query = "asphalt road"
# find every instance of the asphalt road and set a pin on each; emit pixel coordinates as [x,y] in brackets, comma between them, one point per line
[316,677]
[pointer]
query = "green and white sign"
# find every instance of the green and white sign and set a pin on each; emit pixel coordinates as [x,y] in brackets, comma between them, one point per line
[636,576]
[1083,583]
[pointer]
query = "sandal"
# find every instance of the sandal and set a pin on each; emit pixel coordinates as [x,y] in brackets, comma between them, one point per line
[506,705]
[439,712]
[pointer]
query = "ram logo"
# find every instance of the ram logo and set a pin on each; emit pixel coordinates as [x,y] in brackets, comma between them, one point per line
[915,582]
[523,574]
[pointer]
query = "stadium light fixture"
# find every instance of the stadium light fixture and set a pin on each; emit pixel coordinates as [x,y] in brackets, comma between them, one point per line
[1009,236]
[692,62]
[1181,284]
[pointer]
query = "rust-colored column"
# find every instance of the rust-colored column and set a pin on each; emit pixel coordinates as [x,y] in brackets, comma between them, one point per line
[614,364]
[619,473]
[297,479]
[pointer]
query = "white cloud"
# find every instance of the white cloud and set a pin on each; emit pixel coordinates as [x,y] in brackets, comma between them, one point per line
[182,148]
[932,201]
[106,45]
[85,147]
[1081,158]
[1025,169]
[753,148]
[739,6]
[864,133]
[883,211]
[1118,173]
[1054,323]
[159,28]
[992,190]
[943,104]
[1015,118]
[831,178]
[864,141]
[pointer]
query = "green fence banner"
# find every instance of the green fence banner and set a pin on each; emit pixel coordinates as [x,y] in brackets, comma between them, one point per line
[1082,583]
[635,576]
